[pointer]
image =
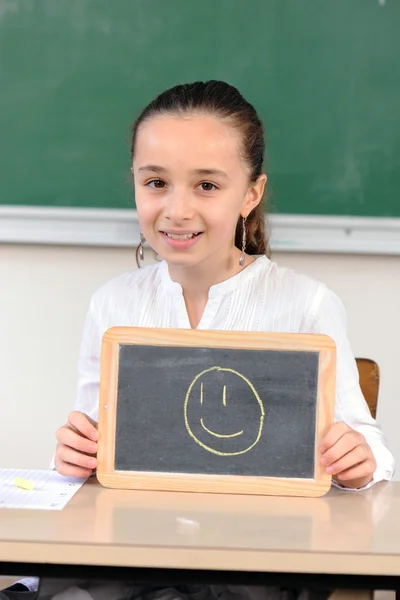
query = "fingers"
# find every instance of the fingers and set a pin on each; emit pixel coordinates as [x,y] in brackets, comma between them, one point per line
[333,435]
[68,437]
[83,425]
[358,471]
[73,463]
[71,470]
[73,457]
[77,446]
[343,446]
[359,455]
[347,456]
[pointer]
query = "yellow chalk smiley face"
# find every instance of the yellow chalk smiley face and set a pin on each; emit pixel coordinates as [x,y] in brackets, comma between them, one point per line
[223,412]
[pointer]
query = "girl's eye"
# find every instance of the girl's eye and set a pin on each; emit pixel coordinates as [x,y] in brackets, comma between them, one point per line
[207,186]
[157,184]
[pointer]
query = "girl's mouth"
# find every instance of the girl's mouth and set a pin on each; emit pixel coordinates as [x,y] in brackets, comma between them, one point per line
[181,240]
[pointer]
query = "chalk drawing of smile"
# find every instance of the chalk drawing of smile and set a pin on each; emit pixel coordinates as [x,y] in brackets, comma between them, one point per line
[249,435]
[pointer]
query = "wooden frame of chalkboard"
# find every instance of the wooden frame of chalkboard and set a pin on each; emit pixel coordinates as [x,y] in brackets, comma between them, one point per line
[148,443]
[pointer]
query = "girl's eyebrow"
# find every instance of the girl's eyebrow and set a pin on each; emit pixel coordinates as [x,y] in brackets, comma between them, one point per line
[153,168]
[203,172]
[217,172]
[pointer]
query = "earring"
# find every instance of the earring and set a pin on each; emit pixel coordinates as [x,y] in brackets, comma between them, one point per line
[242,258]
[139,250]
[142,241]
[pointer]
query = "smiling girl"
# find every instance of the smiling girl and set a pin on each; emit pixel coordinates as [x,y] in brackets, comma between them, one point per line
[197,164]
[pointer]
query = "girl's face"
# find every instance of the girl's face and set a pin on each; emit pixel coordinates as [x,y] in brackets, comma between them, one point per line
[191,186]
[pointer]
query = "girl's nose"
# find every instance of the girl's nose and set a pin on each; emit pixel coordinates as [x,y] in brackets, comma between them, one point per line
[179,207]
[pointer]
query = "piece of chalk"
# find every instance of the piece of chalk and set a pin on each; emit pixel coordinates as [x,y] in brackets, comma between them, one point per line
[24,484]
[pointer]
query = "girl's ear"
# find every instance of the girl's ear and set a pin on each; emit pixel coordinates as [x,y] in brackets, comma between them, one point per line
[254,195]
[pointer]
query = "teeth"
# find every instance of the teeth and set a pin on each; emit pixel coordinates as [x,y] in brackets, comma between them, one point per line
[181,236]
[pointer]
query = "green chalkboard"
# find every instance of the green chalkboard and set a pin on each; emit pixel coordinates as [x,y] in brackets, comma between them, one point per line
[324,75]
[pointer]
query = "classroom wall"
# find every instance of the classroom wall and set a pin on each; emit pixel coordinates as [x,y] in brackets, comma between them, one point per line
[45,291]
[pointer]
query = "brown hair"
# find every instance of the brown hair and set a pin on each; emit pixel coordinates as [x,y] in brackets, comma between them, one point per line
[224,101]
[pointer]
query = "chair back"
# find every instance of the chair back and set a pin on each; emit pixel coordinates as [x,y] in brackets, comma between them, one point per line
[369,382]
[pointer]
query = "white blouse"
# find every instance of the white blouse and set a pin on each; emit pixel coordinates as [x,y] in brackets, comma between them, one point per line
[262,297]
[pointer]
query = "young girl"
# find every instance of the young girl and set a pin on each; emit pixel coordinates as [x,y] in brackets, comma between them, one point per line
[197,164]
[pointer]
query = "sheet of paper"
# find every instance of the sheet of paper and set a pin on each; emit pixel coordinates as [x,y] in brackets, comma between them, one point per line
[51,490]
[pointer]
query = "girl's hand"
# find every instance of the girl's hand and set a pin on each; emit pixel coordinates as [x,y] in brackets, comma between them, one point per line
[347,456]
[77,446]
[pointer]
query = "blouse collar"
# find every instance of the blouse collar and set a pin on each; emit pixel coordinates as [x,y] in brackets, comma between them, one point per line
[218,289]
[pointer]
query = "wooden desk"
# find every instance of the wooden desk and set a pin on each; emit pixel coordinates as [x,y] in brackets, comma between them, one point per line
[341,540]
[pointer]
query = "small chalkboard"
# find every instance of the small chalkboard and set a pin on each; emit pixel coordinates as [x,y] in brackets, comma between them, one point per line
[215,411]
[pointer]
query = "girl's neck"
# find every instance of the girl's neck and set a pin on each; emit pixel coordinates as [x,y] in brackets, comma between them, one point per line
[197,281]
